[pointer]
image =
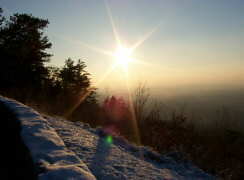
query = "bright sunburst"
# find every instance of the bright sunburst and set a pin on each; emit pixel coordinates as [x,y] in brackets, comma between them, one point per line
[123,56]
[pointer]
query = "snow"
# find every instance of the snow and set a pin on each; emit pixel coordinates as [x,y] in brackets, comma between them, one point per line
[66,172]
[121,160]
[48,150]
[68,150]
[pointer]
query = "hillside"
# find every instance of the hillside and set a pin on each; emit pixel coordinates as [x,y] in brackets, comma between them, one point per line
[67,150]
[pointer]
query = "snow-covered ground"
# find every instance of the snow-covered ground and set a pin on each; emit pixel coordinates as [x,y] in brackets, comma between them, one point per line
[49,153]
[68,150]
[120,160]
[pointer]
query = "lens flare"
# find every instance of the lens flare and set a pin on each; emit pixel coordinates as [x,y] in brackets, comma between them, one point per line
[123,57]
[109,139]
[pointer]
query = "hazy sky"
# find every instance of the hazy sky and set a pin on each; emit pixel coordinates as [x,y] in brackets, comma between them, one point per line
[197,43]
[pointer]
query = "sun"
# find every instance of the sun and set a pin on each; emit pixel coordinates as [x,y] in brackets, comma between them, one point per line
[123,55]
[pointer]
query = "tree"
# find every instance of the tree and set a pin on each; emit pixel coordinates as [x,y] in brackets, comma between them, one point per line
[73,86]
[74,77]
[25,76]
[23,54]
[118,118]
[78,97]
[1,17]
[140,100]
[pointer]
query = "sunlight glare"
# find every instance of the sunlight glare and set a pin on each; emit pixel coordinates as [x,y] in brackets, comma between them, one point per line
[123,55]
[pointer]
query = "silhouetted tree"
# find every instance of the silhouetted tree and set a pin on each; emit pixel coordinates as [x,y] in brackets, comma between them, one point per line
[24,76]
[2,18]
[71,85]
[23,54]
[76,92]
[118,118]
[140,100]
[74,77]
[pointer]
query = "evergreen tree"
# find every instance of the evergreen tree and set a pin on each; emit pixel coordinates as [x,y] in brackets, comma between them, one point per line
[23,54]
[1,17]
[74,77]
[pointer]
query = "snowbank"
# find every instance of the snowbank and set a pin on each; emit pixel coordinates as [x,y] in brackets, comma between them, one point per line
[53,159]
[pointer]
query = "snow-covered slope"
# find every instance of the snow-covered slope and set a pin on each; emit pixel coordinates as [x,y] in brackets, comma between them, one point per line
[120,160]
[81,152]
[48,151]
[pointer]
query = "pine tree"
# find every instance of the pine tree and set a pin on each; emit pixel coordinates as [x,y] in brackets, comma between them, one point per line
[23,54]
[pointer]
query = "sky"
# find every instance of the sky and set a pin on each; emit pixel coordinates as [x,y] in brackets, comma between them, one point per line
[195,43]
